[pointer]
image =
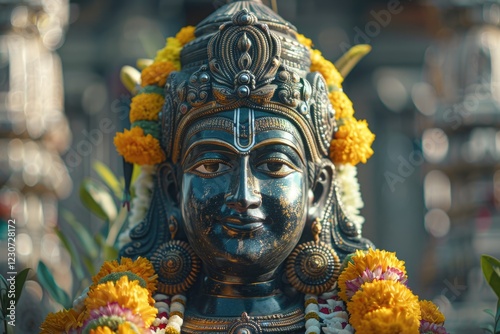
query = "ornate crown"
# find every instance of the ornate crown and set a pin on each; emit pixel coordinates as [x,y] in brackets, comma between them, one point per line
[247,63]
[243,55]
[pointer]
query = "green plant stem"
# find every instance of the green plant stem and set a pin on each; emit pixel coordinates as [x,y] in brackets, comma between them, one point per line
[496,328]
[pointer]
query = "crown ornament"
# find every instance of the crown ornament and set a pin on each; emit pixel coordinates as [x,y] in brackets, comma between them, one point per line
[249,65]
[243,55]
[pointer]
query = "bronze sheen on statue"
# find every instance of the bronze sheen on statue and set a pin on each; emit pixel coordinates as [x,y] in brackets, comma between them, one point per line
[245,217]
[248,201]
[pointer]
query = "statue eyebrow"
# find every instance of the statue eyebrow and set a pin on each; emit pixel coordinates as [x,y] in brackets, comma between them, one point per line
[280,141]
[207,142]
[234,150]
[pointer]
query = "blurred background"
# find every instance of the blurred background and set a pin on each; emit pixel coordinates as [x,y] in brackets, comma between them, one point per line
[429,90]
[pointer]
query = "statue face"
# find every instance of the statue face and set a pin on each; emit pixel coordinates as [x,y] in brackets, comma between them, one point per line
[244,192]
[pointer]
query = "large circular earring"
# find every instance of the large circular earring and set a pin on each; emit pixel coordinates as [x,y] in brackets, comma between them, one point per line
[176,264]
[313,267]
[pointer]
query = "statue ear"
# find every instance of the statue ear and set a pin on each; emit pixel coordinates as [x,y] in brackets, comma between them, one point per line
[321,188]
[169,187]
[170,198]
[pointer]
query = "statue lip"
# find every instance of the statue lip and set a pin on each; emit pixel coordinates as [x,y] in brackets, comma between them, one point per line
[242,223]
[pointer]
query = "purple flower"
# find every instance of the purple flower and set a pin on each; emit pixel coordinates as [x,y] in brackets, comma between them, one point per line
[430,328]
[391,274]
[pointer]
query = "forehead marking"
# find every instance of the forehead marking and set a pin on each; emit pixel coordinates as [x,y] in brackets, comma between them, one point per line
[227,125]
[244,130]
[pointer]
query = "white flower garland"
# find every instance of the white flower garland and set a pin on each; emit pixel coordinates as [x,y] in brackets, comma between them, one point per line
[350,194]
[312,317]
[140,204]
[174,322]
[335,317]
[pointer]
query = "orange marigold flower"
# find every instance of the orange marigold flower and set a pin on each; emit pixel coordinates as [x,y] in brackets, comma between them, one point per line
[127,294]
[157,73]
[341,104]
[430,312]
[388,321]
[137,148]
[145,107]
[140,267]
[384,294]
[185,35]
[326,68]
[124,328]
[62,322]
[371,260]
[352,143]
[304,40]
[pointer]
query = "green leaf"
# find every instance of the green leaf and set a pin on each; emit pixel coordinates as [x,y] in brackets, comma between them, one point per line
[4,282]
[97,199]
[87,241]
[491,271]
[490,312]
[76,263]
[3,293]
[20,280]
[47,281]
[89,264]
[497,318]
[488,328]
[116,227]
[108,178]
[108,251]
[10,329]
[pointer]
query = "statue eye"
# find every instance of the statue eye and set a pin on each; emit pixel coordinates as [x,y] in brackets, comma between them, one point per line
[209,168]
[276,167]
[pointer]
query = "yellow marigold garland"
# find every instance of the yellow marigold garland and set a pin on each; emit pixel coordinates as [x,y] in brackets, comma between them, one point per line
[124,328]
[157,73]
[62,322]
[367,260]
[430,312]
[127,294]
[304,40]
[327,69]
[341,104]
[137,148]
[146,107]
[384,294]
[140,267]
[388,321]
[185,35]
[171,52]
[352,143]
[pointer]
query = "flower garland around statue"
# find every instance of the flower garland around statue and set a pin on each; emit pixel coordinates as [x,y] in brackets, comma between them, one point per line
[370,296]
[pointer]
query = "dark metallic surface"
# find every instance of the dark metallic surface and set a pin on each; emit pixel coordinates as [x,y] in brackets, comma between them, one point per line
[246,130]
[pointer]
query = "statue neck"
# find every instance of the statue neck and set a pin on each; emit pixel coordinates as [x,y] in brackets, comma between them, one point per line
[223,285]
[221,303]
[227,289]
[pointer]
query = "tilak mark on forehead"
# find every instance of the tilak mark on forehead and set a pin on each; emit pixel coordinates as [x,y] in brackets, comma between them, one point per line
[244,127]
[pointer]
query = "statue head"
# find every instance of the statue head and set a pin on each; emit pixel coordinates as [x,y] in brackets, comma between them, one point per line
[245,175]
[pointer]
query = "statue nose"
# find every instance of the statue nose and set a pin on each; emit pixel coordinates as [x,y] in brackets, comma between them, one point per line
[244,192]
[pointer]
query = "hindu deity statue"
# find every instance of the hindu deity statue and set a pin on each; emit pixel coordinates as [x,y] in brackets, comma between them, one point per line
[245,215]
[245,218]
